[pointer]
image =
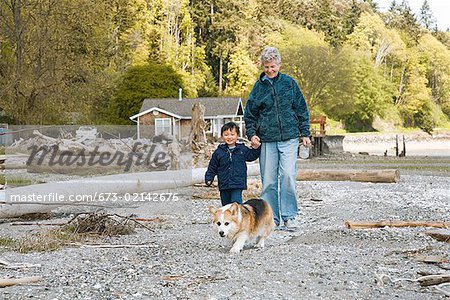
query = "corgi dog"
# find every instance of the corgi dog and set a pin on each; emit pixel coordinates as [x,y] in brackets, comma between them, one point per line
[243,222]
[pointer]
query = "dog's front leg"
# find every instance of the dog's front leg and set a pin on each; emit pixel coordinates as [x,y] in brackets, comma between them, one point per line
[260,242]
[239,243]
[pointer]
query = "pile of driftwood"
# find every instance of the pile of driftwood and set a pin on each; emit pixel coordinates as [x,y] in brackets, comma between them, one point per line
[101,224]
[66,142]
[438,281]
[442,234]
[75,155]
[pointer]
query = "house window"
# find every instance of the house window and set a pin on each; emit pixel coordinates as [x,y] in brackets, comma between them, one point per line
[162,125]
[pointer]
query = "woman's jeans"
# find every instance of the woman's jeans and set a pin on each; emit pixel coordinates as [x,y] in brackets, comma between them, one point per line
[278,164]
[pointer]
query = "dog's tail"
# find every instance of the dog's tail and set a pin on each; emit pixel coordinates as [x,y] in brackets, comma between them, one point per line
[259,207]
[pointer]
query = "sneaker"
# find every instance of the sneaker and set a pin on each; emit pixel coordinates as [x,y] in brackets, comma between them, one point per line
[292,223]
[276,227]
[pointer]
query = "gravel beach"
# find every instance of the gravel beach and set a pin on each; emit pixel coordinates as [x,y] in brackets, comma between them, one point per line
[181,258]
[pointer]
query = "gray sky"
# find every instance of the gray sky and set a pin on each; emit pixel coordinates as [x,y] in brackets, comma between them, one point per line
[440,9]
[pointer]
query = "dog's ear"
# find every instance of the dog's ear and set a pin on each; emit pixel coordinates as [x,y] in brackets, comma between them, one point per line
[212,210]
[234,208]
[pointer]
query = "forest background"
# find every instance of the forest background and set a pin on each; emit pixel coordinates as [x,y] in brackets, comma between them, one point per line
[93,62]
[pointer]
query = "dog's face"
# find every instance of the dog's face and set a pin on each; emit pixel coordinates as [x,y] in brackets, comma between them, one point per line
[225,219]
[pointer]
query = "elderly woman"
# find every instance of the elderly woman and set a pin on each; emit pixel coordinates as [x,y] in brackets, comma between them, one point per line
[276,115]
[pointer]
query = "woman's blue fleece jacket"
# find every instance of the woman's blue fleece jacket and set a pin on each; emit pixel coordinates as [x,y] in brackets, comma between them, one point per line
[230,167]
[276,110]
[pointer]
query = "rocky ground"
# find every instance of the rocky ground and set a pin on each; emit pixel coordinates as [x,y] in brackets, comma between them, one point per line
[181,258]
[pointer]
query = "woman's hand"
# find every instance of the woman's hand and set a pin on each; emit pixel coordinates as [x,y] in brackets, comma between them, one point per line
[256,142]
[306,141]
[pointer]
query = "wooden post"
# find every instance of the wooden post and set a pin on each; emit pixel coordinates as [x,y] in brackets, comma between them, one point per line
[396,145]
[317,138]
[404,146]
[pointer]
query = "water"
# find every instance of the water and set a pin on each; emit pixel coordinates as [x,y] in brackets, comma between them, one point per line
[413,148]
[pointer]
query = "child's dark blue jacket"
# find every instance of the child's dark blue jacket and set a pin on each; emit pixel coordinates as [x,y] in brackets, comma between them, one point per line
[230,167]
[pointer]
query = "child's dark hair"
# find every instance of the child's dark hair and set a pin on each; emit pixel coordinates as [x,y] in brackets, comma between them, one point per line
[229,126]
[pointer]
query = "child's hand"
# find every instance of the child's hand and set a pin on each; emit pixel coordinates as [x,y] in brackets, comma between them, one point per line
[208,182]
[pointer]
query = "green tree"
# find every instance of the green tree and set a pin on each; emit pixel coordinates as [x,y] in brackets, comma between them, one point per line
[385,47]
[140,82]
[242,72]
[323,73]
[130,33]
[178,45]
[436,58]
[372,36]
[370,97]
[401,17]
[352,17]
[426,17]
[219,22]
[443,37]
[51,58]
[329,22]
[312,62]
[415,105]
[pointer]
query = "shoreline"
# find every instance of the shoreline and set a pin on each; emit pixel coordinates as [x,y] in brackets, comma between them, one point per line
[417,144]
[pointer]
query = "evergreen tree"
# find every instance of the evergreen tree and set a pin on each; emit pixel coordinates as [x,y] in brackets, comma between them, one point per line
[401,17]
[352,17]
[426,17]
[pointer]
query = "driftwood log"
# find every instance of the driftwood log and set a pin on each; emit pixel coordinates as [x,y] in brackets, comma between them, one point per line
[120,184]
[442,235]
[433,279]
[14,281]
[384,223]
[9,265]
[376,176]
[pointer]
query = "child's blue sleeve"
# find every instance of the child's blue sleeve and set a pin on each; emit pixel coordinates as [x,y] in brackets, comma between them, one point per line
[252,154]
[213,166]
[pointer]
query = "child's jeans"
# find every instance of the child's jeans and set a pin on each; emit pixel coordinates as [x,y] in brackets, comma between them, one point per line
[230,196]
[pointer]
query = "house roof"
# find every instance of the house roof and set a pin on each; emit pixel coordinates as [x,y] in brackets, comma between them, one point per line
[183,109]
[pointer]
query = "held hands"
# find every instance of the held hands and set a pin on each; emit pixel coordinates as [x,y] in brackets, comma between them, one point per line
[255,141]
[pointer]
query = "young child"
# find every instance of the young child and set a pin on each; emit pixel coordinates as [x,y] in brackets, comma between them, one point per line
[228,163]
